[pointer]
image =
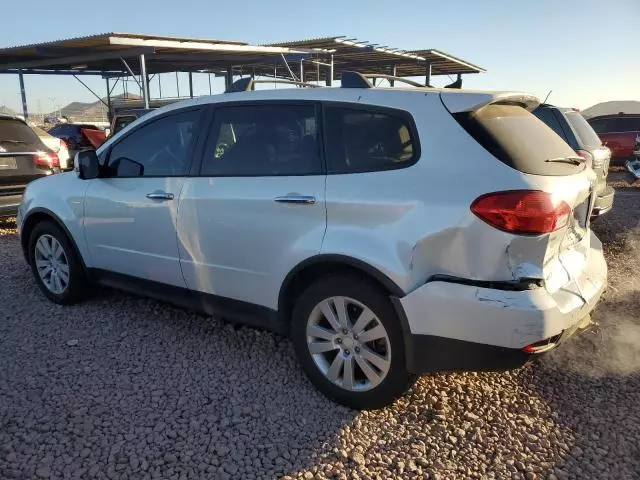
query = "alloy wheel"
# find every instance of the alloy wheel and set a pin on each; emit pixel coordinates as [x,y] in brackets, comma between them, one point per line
[52,264]
[348,343]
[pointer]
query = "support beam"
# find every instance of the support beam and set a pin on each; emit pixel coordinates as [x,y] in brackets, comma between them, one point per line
[133,75]
[109,98]
[23,95]
[190,85]
[40,71]
[145,83]
[79,59]
[209,84]
[228,79]
[286,64]
[94,93]
[330,82]
[427,75]
[393,73]
[301,71]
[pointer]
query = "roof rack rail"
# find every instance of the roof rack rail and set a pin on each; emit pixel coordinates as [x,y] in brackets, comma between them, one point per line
[359,80]
[397,79]
[247,84]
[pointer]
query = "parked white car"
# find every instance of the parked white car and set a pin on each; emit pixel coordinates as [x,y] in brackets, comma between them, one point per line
[388,232]
[55,144]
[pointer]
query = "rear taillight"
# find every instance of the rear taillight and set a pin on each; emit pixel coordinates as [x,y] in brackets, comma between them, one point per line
[522,211]
[588,158]
[46,159]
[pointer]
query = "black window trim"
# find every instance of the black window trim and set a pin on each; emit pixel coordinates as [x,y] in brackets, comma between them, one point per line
[192,151]
[570,135]
[390,111]
[208,144]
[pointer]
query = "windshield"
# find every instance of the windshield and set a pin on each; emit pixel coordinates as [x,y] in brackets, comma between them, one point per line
[587,136]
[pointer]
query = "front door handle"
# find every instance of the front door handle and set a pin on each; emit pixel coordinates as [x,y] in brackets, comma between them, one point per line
[303,199]
[160,196]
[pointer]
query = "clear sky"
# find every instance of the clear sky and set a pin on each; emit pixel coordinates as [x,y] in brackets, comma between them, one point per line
[586,51]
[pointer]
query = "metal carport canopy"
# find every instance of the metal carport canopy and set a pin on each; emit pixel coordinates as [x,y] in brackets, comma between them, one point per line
[322,59]
[110,54]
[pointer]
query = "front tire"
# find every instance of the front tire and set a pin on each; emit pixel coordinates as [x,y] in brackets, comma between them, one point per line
[55,264]
[348,340]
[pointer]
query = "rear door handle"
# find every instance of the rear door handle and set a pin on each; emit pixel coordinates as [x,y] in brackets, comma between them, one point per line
[303,199]
[160,196]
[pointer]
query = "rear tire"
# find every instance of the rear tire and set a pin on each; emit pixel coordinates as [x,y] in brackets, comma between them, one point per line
[56,266]
[357,364]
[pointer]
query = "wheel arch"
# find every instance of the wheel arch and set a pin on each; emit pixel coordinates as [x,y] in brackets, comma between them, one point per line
[38,215]
[314,267]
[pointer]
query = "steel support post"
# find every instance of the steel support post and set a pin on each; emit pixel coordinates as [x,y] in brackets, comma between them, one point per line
[228,79]
[330,77]
[145,81]
[427,75]
[301,71]
[23,95]
[108,98]
[394,73]
[190,85]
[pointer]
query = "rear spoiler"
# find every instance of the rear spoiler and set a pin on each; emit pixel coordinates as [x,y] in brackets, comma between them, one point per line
[457,102]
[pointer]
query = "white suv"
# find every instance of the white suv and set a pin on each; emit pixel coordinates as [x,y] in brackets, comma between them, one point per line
[388,232]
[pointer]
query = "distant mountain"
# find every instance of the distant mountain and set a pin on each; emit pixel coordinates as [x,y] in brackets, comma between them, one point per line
[7,111]
[611,108]
[91,110]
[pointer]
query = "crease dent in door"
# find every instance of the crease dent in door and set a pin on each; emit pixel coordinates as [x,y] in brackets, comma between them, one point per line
[189,238]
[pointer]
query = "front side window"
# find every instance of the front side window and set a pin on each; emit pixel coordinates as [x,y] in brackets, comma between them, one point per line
[263,140]
[365,141]
[159,148]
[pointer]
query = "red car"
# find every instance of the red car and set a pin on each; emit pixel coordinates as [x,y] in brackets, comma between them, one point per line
[618,132]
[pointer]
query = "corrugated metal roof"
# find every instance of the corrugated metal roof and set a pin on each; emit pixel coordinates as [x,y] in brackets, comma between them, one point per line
[100,53]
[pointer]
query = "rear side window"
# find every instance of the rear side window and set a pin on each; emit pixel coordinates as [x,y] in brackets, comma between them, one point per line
[628,124]
[263,140]
[15,131]
[588,137]
[360,140]
[519,139]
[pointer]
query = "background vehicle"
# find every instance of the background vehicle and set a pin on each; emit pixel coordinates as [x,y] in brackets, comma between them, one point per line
[72,134]
[571,126]
[23,158]
[330,215]
[57,145]
[123,118]
[618,132]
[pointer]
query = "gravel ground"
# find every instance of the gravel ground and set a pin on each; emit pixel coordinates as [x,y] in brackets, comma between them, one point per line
[120,387]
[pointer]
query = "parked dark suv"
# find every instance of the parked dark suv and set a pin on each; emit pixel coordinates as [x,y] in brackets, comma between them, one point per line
[23,157]
[572,127]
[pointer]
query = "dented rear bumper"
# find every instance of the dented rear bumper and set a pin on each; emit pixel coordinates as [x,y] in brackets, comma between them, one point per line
[493,326]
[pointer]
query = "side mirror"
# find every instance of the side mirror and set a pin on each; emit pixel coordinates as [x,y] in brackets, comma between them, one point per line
[87,164]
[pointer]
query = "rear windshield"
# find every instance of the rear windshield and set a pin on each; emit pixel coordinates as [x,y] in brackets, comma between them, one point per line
[587,135]
[16,131]
[519,139]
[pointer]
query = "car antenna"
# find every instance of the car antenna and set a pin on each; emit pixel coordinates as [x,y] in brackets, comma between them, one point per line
[547,97]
